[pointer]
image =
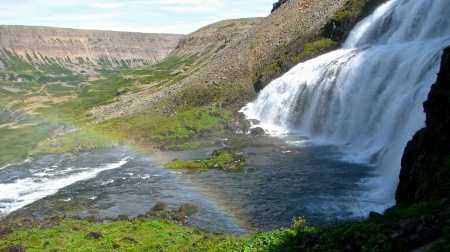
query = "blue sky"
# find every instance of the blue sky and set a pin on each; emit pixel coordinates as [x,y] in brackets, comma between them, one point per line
[150,16]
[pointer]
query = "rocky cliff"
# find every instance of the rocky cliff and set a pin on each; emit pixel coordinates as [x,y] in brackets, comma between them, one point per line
[85,51]
[425,165]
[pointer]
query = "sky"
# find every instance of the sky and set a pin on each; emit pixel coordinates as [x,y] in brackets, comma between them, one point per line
[148,16]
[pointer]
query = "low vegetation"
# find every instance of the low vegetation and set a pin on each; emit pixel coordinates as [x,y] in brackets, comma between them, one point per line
[224,159]
[144,233]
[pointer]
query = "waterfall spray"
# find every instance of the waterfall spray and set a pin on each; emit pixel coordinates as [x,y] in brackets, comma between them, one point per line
[366,97]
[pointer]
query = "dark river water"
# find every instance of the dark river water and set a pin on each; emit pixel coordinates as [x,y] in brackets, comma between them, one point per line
[277,184]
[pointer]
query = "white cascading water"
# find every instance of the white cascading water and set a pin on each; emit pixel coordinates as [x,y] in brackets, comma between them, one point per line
[366,97]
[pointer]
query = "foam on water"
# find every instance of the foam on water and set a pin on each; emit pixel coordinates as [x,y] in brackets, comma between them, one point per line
[41,182]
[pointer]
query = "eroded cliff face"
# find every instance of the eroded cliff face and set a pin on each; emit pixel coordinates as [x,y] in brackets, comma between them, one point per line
[425,172]
[85,51]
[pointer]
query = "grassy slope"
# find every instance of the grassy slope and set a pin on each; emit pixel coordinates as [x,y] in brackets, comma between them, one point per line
[146,234]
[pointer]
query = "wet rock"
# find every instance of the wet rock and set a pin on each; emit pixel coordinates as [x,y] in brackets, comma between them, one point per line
[240,115]
[258,131]
[140,217]
[160,206]
[256,122]
[420,229]
[188,209]
[122,217]
[95,235]
[220,142]
[251,170]
[239,125]
[180,218]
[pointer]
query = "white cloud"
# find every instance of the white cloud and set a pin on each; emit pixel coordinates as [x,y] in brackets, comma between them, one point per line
[170,2]
[106,5]
[161,16]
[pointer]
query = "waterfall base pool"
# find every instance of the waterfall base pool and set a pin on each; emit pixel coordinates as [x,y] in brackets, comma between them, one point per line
[279,182]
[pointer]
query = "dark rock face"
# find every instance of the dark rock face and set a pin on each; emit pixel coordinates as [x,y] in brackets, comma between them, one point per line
[425,163]
[338,28]
[277,5]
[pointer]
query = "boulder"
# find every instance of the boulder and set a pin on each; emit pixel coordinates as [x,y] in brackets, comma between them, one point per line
[95,235]
[258,131]
[188,209]
[160,206]
[239,125]
[180,218]
[122,217]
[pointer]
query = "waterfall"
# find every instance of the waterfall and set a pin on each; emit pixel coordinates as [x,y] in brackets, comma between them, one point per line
[367,97]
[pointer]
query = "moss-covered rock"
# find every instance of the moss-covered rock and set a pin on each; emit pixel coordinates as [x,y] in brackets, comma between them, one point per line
[224,159]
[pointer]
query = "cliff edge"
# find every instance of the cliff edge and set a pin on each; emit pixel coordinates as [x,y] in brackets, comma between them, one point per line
[81,50]
[425,165]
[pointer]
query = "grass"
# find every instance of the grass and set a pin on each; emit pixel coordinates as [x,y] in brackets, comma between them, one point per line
[152,127]
[147,234]
[218,159]
[136,235]
[191,145]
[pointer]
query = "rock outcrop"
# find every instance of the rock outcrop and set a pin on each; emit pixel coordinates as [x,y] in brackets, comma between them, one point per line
[425,165]
[81,50]
[277,5]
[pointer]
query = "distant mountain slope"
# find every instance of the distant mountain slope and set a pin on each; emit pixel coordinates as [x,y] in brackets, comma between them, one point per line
[193,53]
[227,76]
[82,51]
